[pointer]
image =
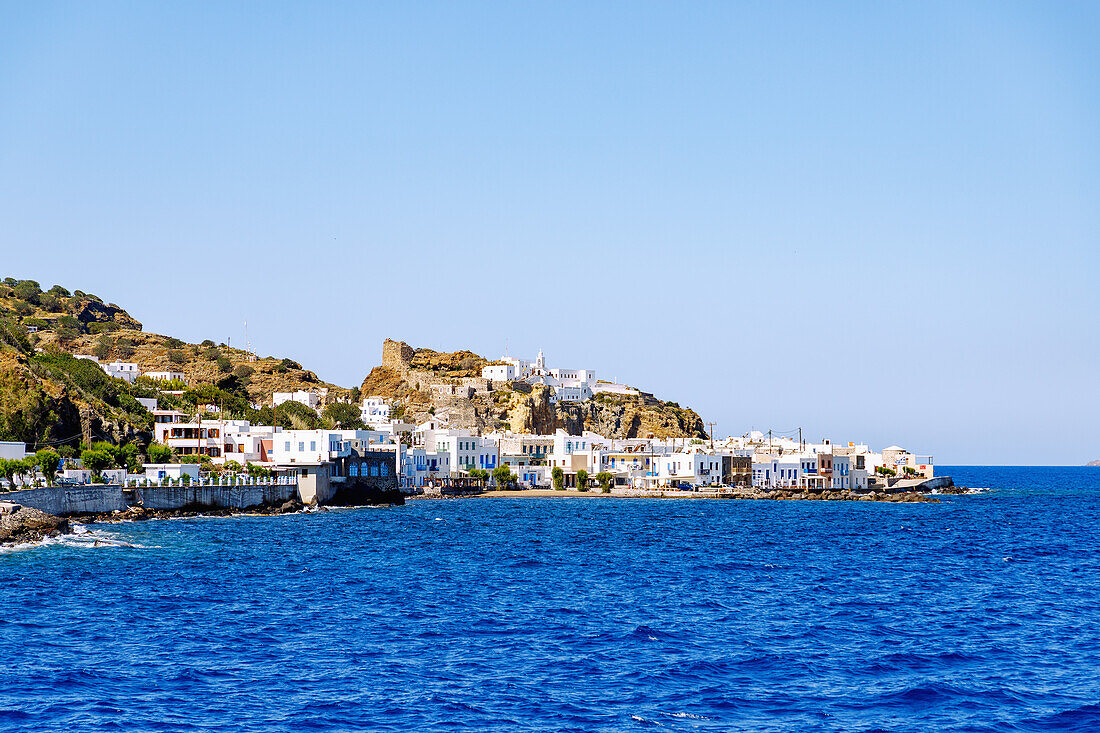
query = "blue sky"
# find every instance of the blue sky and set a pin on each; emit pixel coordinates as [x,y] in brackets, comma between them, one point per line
[876,221]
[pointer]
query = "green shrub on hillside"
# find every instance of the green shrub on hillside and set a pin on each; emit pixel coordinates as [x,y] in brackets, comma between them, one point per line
[14,335]
[83,374]
[103,327]
[28,290]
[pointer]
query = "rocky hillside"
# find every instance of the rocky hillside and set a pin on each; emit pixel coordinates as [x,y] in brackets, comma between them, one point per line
[48,397]
[448,386]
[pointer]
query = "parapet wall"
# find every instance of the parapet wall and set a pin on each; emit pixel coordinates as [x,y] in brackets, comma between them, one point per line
[60,500]
[104,498]
[241,496]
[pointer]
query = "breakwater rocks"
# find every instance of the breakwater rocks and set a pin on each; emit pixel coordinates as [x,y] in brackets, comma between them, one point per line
[902,497]
[20,525]
[141,513]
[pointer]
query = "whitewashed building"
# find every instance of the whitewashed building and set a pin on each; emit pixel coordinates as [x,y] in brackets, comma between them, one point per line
[168,376]
[499,372]
[125,370]
[311,400]
[375,411]
[13,450]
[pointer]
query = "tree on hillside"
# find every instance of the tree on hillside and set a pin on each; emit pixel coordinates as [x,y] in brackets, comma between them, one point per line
[124,348]
[342,415]
[559,477]
[102,346]
[28,290]
[176,356]
[296,416]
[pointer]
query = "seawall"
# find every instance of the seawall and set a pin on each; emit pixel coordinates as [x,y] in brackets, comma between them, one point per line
[238,496]
[107,498]
[62,500]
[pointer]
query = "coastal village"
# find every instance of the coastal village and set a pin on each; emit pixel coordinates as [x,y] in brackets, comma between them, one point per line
[113,419]
[436,457]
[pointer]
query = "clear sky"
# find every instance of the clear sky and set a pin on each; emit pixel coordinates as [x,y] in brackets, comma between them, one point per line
[876,221]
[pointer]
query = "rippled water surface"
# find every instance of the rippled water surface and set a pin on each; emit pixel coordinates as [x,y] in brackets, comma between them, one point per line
[978,614]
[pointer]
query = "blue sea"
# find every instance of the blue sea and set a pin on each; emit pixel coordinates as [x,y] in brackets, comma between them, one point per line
[981,613]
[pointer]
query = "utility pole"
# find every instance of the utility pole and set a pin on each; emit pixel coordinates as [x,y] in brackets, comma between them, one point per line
[711,425]
[801,447]
[769,441]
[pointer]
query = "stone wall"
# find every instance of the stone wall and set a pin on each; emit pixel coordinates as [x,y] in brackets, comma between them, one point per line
[240,496]
[61,500]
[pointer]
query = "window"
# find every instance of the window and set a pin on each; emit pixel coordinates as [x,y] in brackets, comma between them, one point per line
[313,445]
[301,446]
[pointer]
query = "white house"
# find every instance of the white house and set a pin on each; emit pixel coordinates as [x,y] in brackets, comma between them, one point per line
[464,450]
[499,372]
[311,400]
[414,467]
[125,370]
[375,410]
[308,446]
[770,471]
[842,470]
[166,376]
[13,450]
[84,475]
[157,472]
[697,468]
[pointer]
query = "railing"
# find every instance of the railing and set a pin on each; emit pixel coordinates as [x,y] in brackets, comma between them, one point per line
[212,481]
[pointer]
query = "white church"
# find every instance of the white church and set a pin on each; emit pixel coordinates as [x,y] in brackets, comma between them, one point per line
[569,385]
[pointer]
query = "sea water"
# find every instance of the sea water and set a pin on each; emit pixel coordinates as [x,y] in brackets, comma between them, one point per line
[981,613]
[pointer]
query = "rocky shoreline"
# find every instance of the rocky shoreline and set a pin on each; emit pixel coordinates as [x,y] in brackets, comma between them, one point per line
[25,525]
[139,513]
[22,525]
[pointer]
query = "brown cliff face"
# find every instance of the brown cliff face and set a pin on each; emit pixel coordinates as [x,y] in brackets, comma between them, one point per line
[627,416]
[407,375]
[533,413]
